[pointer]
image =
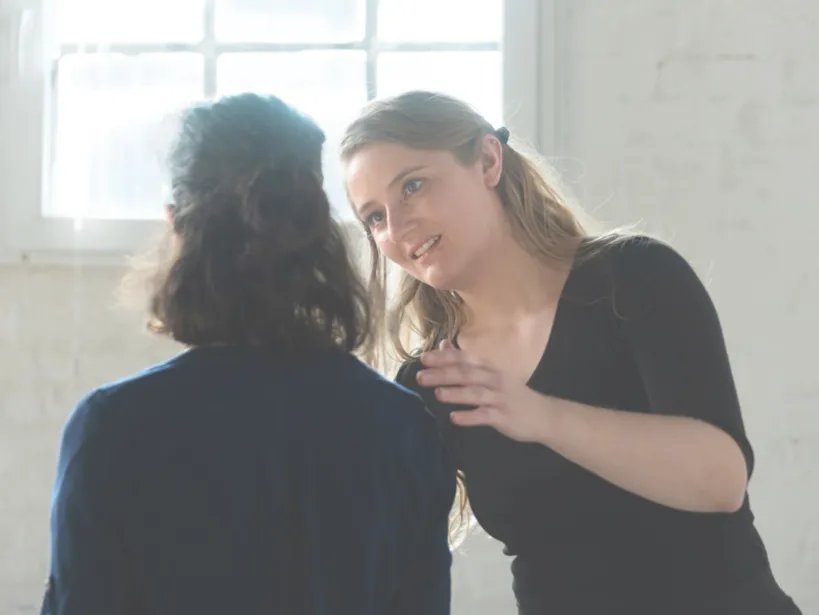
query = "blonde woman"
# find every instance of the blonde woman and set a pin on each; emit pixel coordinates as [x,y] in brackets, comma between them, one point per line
[581,381]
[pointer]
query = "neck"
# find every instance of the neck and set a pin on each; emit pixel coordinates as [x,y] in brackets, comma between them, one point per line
[511,284]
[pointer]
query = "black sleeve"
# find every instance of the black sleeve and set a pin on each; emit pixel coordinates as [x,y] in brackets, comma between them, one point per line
[406,375]
[428,482]
[87,558]
[673,329]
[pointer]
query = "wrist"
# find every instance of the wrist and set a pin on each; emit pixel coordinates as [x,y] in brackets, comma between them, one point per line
[549,419]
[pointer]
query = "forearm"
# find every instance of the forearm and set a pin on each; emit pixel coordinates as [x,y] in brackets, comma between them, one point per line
[675,461]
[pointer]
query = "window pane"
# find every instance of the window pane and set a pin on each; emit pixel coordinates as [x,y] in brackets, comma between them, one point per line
[420,21]
[112,131]
[290,21]
[330,86]
[143,21]
[478,80]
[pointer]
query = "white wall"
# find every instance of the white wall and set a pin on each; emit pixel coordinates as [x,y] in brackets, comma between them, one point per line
[700,117]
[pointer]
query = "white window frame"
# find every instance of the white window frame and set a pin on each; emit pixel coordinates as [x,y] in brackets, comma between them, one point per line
[25,94]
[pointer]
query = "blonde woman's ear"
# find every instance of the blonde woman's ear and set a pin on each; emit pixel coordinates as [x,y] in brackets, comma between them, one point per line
[492,160]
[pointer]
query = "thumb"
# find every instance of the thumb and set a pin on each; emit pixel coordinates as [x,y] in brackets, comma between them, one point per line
[445,345]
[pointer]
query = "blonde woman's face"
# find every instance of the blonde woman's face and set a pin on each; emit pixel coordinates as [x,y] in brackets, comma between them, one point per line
[428,213]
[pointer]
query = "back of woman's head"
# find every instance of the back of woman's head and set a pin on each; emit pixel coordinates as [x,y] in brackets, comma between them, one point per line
[537,214]
[257,258]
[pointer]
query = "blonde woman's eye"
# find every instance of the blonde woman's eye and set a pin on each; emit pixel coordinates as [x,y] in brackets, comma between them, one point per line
[412,186]
[374,218]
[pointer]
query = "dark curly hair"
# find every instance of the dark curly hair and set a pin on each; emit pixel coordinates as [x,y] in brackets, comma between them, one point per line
[257,258]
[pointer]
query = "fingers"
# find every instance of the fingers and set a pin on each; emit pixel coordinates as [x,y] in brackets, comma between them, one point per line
[471,418]
[466,395]
[458,374]
[445,355]
[448,366]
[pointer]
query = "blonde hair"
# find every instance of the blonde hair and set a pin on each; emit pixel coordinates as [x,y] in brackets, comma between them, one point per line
[540,218]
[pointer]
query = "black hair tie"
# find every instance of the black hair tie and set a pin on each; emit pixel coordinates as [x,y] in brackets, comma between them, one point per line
[502,134]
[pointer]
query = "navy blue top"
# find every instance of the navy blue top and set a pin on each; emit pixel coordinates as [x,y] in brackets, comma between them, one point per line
[237,481]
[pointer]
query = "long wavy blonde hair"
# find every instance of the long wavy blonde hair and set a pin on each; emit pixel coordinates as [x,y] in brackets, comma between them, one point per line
[541,220]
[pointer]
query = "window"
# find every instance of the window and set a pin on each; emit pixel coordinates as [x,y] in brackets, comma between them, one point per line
[101,122]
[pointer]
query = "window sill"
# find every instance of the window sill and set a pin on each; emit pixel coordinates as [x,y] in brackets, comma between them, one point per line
[28,237]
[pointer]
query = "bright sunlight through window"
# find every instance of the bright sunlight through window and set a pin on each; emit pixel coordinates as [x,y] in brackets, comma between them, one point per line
[126,67]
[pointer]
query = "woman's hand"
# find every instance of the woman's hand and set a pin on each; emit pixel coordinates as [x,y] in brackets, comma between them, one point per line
[646,454]
[501,402]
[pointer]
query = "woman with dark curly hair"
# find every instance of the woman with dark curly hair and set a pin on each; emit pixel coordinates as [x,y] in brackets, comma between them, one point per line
[265,469]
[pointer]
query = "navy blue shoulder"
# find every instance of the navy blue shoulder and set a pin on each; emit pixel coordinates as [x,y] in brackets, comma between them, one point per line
[85,424]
